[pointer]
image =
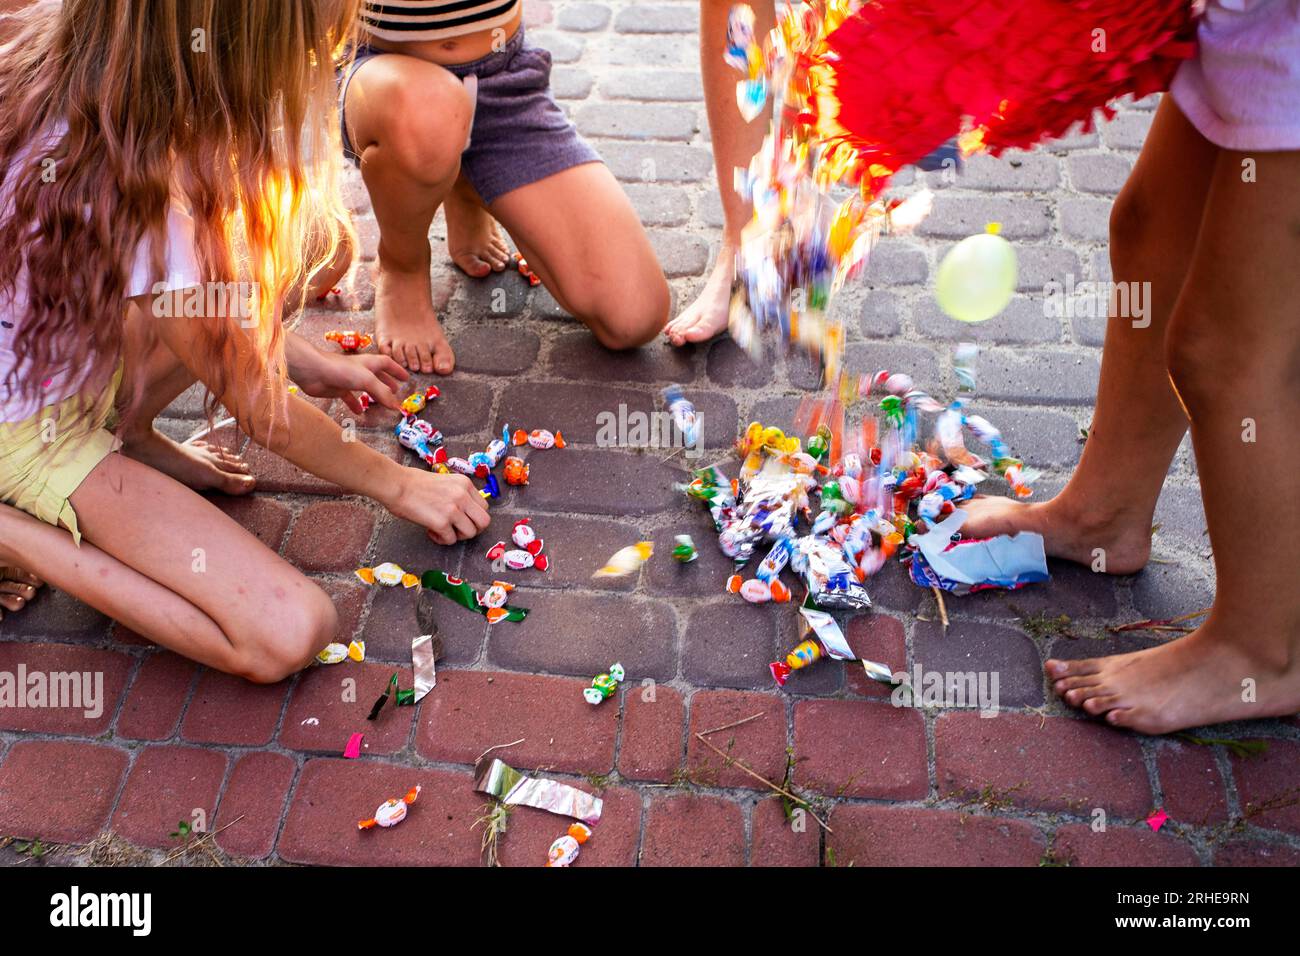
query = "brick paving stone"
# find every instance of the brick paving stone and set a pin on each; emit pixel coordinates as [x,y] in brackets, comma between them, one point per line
[1181,514]
[470,711]
[956,217]
[167,785]
[389,630]
[1192,784]
[1170,590]
[719,423]
[1248,852]
[266,518]
[1022,322]
[728,364]
[498,295]
[332,795]
[571,84]
[582,635]
[613,841]
[600,482]
[689,830]
[330,536]
[85,682]
[1047,377]
[659,205]
[1126,130]
[1053,763]
[656,162]
[1268,787]
[680,255]
[638,121]
[1075,591]
[275,474]
[881,313]
[1019,171]
[253,804]
[778,842]
[563,47]
[58,790]
[230,710]
[896,262]
[56,614]
[1045,438]
[329,704]
[657,18]
[1086,219]
[868,836]
[860,748]
[465,406]
[582,413]
[705,576]
[157,697]
[873,637]
[575,548]
[482,348]
[730,643]
[1078,845]
[1039,264]
[579,355]
[759,744]
[982,651]
[916,360]
[653,725]
[674,85]
[582,17]
[1099,172]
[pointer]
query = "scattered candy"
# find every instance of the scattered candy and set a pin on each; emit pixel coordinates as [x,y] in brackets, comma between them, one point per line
[684,550]
[522,265]
[349,341]
[516,471]
[538,438]
[425,650]
[493,602]
[391,812]
[422,438]
[757,591]
[513,788]
[529,551]
[492,605]
[626,560]
[338,653]
[603,686]
[683,414]
[414,403]
[388,574]
[565,849]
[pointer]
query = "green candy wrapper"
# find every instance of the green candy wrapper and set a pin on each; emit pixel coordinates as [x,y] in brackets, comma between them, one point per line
[463,593]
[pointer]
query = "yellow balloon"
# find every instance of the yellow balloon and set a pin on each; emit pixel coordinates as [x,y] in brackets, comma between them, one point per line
[977,277]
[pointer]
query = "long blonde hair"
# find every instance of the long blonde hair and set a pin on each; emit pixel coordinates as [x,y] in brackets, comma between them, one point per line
[227,106]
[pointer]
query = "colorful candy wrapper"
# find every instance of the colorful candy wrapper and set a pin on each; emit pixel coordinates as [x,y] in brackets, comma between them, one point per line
[492,605]
[338,653]
[425,650]
[603,686]
[388,574]
[684,549]
[516,471]
[963,365]
[414,403]
[353,749]
[498,779]
[758,591]
[683,414]
[625,561]
[391,812]
[399,697]
[538,438]
[522,265]
[564,851]
[1007,561]
[491,488]
[349,340]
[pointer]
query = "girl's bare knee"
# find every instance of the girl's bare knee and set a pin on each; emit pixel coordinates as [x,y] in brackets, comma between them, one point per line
[423,123]
[622,322]
[273,657]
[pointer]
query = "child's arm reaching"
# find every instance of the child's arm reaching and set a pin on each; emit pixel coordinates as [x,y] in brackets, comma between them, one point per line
[448,506]
[331,375]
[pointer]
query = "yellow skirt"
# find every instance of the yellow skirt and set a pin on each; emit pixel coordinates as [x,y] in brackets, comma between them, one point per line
[45,458]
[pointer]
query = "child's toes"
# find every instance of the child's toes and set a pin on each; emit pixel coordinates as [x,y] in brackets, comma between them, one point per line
[472,265]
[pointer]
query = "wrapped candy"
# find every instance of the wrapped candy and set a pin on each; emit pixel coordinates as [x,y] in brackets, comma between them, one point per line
[684,549]
[498,779]
[603,686]
[527,554]
[391,812]
[538,438]
[349,341]
[491,605]
[626,560]
[522,265]
[564,851]
[493,601]
[422,438]
[336,653]
[516,471]
[388,574]
[758,591]
[683,414]
[415,403]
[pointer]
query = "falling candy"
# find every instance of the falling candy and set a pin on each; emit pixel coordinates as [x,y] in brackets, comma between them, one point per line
[684,550]
[683,414]
[626,560]
[349,341]
[603,686]
[565,849]
[391,812]
[963,365]
[388,574]
[977,277]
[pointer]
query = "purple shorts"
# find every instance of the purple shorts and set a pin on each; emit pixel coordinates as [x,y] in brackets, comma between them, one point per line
[519,134]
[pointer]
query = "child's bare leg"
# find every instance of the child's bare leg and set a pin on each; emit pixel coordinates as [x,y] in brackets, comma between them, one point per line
[408,120]
[17,587]
[1137,425]
[734,143]
[172,567]
[161,378]
[474,240]
[599,263]
[1234,357]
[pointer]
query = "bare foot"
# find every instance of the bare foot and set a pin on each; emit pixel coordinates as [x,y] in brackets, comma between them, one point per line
[707,315]
[406,326]
[198,464]
[1193,681]
[1109,545]
[17,587]
[474,239]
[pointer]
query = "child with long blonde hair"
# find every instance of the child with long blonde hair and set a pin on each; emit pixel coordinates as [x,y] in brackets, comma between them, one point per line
[150,149]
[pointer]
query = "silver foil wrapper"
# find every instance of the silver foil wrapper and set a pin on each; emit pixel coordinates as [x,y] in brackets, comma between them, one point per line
[508,785]
[423,651]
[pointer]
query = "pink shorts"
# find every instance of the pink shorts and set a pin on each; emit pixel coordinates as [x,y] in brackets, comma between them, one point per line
[1242,90]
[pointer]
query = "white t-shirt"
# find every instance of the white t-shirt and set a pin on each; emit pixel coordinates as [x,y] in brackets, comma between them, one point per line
[180,270]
